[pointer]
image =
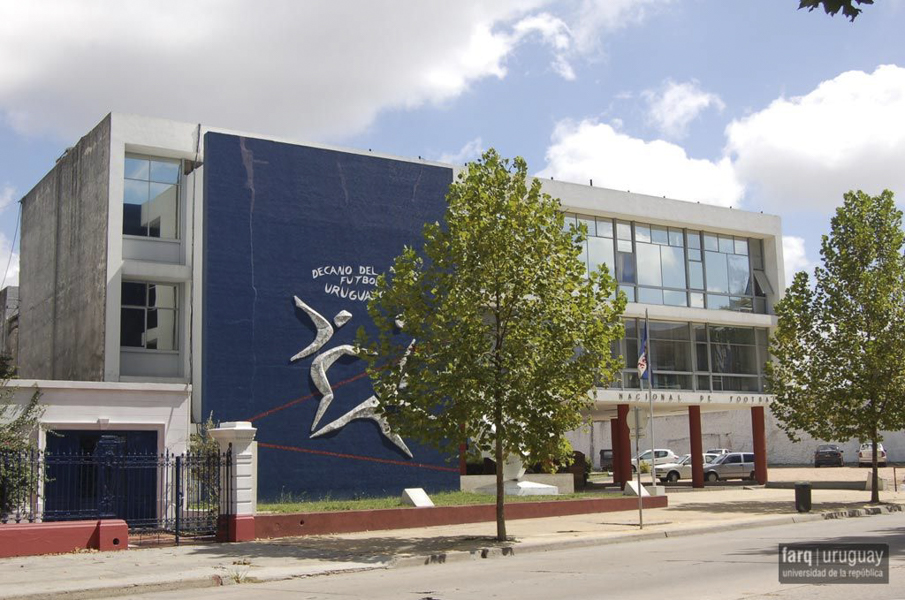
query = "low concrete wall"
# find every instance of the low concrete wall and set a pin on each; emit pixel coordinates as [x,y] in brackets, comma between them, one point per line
[564,481]
[31,539]
[295,524]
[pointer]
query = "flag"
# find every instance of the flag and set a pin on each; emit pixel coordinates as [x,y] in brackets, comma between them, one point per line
[642,358]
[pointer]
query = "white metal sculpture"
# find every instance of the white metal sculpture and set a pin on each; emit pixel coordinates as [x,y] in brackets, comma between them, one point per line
[367,410]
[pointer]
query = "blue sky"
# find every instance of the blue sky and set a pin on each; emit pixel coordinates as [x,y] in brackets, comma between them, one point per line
[749,103]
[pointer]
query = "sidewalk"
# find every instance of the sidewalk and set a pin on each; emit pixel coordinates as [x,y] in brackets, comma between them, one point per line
[93,575]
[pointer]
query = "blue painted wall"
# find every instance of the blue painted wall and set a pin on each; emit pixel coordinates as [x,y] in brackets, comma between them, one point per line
[280,221]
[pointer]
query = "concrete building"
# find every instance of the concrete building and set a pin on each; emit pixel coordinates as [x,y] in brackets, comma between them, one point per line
[9,323]
[167,253]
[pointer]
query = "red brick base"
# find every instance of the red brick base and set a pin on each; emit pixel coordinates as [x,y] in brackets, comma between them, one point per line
[30,539]
[233,528]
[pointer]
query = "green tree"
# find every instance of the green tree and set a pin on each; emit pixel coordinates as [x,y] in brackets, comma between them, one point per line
[839,369]
[832,7]
[510,332]
[18,425]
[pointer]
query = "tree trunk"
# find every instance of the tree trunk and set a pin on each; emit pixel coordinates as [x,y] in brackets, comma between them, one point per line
[875,478]
[500,492]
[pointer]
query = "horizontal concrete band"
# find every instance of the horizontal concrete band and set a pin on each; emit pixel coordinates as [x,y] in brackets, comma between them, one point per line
[294,524]
[32,539]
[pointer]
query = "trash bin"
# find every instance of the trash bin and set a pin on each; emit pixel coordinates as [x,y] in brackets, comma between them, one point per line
[803,496]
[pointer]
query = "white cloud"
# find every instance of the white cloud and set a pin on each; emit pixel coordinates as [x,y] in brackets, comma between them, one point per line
[794,257]
[806,151]
[293,68]
[7,196]
[469,151]
[302,69]
[675,105]
[12,274]
[586,150]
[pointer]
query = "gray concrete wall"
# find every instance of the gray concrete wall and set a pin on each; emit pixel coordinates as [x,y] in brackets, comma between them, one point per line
[63,259]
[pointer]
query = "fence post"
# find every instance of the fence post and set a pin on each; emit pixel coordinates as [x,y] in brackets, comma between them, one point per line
[238,524]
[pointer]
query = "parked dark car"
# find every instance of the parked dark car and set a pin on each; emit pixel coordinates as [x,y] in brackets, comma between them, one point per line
[828,455]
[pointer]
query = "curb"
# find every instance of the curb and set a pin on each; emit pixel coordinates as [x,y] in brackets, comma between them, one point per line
[512,550]
[455,556]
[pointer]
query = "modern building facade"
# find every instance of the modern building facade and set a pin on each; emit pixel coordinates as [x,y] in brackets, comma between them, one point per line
[238,266]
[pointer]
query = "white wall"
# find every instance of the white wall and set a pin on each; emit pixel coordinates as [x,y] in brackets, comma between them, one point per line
[110,406]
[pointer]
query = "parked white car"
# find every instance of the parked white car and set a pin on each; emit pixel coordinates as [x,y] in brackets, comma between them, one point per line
[661,457]
[866,455]
[681,469]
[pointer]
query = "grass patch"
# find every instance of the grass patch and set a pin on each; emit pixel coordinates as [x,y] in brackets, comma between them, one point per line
[439,499]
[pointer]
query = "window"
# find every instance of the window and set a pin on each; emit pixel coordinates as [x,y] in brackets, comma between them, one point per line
[151,197]
[149,316]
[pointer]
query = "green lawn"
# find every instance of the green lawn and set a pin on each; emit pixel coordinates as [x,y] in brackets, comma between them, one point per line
[439,499]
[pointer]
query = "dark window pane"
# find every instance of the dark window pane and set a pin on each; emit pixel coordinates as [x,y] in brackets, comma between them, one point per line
[630,380]
[741,304]
[700,332]
[761,336]
[133,294]
[703,383]
[625,267]
[760,306]
[732,335]
[631,328]
[672,381]
[741,384]
[728,358]
[755,248]
[660,330]
[671,356]
[132,327]
[701,358]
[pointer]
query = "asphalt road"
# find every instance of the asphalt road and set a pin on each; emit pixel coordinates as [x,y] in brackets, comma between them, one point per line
[729,565]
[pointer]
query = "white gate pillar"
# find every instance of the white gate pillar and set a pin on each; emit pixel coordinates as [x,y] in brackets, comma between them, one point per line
[238,525]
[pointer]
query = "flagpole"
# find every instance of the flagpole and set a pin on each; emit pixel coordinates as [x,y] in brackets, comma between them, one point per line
[650,403]
[638,470]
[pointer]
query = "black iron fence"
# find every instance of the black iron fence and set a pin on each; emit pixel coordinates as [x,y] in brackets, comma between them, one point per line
[183,495]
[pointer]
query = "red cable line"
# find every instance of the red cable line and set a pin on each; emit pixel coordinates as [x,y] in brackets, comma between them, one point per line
[356,457]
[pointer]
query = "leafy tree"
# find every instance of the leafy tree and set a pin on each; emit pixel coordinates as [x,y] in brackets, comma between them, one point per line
[510,332]
[832,7]
[839,371]
[18,424]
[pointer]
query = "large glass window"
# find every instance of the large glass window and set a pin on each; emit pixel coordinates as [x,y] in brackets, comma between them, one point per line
[149,316]
[151,197]
[677,267]
[695,356]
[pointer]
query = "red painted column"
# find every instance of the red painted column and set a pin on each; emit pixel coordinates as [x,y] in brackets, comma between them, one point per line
[760,444]
[697,448]
[625,445]
[617,451]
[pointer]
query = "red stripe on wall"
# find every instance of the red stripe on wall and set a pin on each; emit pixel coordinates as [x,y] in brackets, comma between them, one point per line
[277,409]
[357,457]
